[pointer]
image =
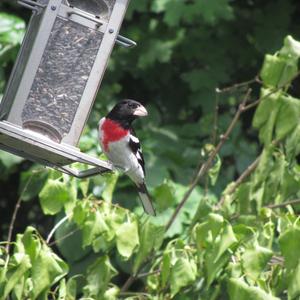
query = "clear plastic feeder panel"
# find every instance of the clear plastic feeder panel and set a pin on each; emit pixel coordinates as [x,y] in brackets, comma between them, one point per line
[61,79]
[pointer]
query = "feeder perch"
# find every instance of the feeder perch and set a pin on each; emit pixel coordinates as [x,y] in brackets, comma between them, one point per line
[55,79]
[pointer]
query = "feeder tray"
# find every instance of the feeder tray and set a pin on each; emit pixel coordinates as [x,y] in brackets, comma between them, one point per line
[55,79]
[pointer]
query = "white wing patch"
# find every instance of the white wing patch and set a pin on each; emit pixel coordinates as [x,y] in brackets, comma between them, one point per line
[134,139]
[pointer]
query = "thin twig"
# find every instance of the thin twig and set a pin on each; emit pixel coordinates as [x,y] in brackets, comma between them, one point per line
[216,115]
[14,216]
[284,204]
[142,275]
[138,294]
[131,279]
[255,103]
[57,225]
[64,237]
[239,181]
[205,167]
[238,85]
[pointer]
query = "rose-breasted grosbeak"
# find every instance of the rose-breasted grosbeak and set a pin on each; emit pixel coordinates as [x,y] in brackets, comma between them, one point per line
[120,144]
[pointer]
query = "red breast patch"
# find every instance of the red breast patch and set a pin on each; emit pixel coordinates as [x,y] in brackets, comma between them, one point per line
[112,132]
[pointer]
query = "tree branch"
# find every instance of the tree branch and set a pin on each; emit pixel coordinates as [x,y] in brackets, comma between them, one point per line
[15,212]
[131,279]
[205,167]
[238,85]
[142,275]
[239,181]
[284,204]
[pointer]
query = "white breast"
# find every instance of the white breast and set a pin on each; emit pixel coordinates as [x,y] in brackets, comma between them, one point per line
[121,156]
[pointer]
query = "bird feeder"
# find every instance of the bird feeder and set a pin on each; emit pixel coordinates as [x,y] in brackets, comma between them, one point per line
[55,80]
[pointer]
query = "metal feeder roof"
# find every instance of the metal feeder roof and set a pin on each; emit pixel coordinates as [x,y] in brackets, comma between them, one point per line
[55,79]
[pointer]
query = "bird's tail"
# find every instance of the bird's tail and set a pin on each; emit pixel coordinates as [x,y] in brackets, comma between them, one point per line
[146,200]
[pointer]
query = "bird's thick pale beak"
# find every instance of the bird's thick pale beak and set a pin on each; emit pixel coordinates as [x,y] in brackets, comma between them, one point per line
[140,111]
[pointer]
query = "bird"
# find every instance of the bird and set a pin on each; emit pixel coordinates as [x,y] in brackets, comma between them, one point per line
[122,147]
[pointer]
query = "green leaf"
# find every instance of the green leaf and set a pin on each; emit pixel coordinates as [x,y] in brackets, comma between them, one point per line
[99,275]
[127,238]
[174,12]
[183,273]
[276,72]
[165,268]
[239,290]
[164,195]
[281,68]
[291,48]
[12,31]
[74,241]
[254,260]
[294,282]
[112,293]
[214,171]
[214,238]
[111,180]
[71,288]
[160,51]
[71,185]
[206,232]
[214,10]
[84,186]
[217,255]
[80,211]
[31,243]
[94,226]
[293,144]
[47,270]
[151,237]
[266,114]
[288,116]
[9,160]
[19,264]
[227,239]
[53,196]
[33,180]
[289,242]
[62,293]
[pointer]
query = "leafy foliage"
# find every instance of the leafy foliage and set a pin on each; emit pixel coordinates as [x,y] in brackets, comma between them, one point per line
[245,249]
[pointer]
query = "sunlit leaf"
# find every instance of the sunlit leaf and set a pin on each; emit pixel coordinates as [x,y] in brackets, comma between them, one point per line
[53,196]
[294,283]
[47,270]
[12,31]
[127,238]
[239,290]
[183,273]
[151,237]
[99,275]
[19,265]
[289,242]
[254,260]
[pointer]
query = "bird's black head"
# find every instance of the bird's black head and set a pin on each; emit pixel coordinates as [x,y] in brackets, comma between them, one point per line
[126,111]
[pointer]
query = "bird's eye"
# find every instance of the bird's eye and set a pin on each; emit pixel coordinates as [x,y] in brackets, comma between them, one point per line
[132,105]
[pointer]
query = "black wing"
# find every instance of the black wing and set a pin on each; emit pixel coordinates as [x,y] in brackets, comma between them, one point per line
[135,146]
